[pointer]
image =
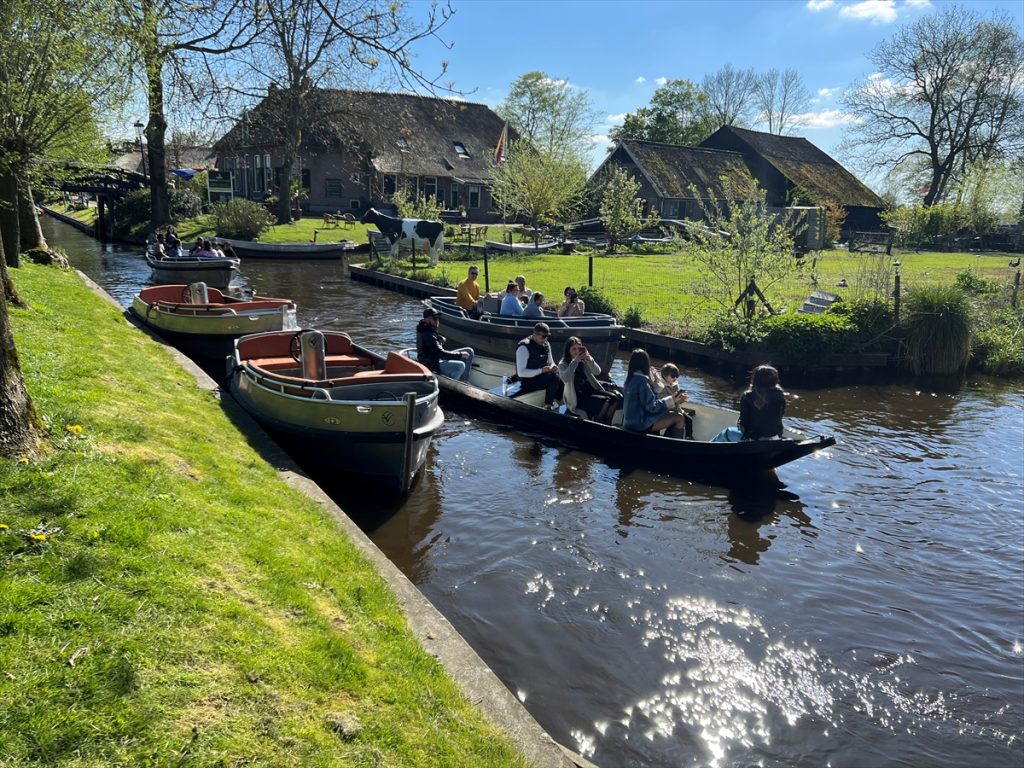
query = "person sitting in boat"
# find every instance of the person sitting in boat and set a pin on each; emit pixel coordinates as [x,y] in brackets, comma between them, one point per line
[761,409]
[510,304]
[227,250]
[642,409]
[524,293]
[666,382]
[430,351]
[535,306]
[535,366]
[197,247]
[573,305]
[173,243]
[205,250]
[583,393]
[468,295]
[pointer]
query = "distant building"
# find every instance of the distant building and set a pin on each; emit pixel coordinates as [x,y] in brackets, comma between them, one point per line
[359,147]
[791,170]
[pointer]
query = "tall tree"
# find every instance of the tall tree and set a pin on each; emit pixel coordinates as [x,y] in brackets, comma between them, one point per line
[949,89]
[307,45]
[730,96]
[538,186]
[677,115]
[19,425]
[780,97]
[621,208]
[553,116]
[54,72]
[162,37]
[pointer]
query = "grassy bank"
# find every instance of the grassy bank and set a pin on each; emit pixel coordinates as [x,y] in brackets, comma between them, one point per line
[165,599]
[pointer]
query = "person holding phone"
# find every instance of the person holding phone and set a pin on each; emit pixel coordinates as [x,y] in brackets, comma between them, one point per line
[573,305]
[584,394]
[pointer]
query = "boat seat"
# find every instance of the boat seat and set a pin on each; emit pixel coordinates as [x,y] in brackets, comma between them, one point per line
[284,363]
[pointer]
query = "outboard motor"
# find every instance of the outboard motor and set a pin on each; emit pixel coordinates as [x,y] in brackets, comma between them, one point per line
[197,294]
[313,355]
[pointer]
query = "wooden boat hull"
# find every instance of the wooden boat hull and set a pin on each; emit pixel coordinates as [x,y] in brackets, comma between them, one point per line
[698,458]
[496,336]
[248,249]
[209,330]
[377,426]
[494,245]
[217,273]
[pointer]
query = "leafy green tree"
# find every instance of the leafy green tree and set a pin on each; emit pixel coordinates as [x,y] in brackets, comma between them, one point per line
[551,115]
[739,240]
[948,89]
[621,209]
[54,74]
[539,187]
[677,114]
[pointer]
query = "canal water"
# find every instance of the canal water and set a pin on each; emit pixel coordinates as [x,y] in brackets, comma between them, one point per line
[648,621]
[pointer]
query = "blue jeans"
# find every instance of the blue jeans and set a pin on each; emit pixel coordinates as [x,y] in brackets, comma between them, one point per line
[728,435]
[457,369]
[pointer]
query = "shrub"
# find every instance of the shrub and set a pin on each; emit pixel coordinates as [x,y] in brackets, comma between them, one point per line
[596,301]
[732,333]
[185,204]
[133,211]
[241,219]
[969,282]
[633,317]
[873,323]
[997,345]
[806,339]
[937,330]
[418,207]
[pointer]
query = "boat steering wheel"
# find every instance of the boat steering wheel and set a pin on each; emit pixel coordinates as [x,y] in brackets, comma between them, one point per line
[186,295]
[295,345]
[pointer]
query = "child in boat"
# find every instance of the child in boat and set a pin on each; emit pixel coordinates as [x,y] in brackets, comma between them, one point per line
[642,409]
[761,409]
[666,382]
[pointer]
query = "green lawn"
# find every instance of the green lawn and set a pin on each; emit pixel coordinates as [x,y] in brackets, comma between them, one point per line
[166,599]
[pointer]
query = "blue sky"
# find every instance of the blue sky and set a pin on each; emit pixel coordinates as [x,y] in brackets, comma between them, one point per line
[618,51]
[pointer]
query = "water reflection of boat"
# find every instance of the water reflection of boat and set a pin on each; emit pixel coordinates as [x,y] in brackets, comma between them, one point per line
[203,322]
[342,407]
[497,335]
[487,393]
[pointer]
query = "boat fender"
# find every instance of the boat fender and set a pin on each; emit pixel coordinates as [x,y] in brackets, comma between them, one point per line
[198,294]
[313,355]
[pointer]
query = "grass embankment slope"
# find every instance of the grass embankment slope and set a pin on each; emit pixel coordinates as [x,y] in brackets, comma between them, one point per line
[166,599]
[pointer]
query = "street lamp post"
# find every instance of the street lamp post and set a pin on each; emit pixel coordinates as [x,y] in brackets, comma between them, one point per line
[142,147]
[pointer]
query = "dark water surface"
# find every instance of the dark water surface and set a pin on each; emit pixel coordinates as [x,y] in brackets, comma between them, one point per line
[648,621]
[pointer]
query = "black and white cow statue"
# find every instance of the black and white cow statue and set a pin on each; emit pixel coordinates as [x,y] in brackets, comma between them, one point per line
[418,231]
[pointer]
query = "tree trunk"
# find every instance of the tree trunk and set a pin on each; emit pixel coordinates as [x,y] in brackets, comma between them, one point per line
[28,219]
[19,433]
[156,129]
[10,231]
[284,195]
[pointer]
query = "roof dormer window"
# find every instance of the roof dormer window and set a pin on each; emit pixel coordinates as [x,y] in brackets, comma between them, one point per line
[460,149]
[402,142]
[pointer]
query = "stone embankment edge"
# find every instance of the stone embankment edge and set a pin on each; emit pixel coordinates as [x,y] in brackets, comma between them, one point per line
[436,634]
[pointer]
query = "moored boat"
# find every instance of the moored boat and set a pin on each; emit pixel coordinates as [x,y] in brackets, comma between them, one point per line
[204,322]
[248,249]
[489,394]
[341,407]
[215,271]
[494,335]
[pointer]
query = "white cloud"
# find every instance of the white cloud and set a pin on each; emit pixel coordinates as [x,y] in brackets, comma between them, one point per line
[919,3]
[661,80]
[640,79]
[828,118]
[826,93]
[819,5]
[875,11]
[618,119]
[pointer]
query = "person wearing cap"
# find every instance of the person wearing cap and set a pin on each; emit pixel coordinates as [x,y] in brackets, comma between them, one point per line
[468,295]
[536,367]
[430,351]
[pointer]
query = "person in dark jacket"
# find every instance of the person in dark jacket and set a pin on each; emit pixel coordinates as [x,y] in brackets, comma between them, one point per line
[430,351]
[761,409]
[536,367]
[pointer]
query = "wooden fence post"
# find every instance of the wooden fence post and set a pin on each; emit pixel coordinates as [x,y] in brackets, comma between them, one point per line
[1016,289]
[590,269]
[896,296]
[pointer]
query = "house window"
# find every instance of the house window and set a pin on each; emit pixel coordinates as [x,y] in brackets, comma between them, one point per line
[257,173]
[456,197]
[268,172]
[460,149]
[354,205]
[474,196]
[389,184]
[402,143]
[332,188]
[429,187]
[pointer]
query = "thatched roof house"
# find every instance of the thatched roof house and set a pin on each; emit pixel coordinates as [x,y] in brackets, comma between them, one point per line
[794,171]
[669,173]
[359,146]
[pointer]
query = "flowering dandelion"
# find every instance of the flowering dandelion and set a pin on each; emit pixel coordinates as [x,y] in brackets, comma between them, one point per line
[23,459]
[37,536]
[3,526]
[75,429]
